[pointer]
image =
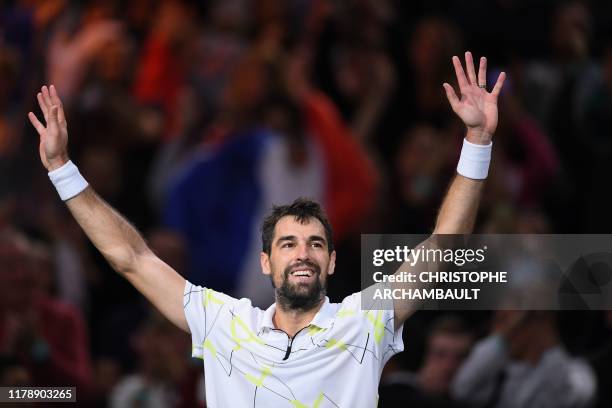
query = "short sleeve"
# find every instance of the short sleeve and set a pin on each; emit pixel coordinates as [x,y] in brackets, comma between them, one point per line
[203,307]
[380,322]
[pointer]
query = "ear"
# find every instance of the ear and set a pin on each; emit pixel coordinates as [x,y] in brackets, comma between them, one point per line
[264,260]
[332,263]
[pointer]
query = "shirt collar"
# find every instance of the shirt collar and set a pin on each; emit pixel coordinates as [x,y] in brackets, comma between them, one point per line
[322,319]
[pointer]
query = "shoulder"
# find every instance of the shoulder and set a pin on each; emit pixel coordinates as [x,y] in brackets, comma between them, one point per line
[210,300]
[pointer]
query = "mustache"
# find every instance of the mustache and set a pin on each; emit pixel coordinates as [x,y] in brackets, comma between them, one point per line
[301,265]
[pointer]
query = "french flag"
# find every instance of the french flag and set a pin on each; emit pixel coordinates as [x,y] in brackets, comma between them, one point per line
[219,197]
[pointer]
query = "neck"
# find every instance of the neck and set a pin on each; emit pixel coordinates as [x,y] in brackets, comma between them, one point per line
[293,320]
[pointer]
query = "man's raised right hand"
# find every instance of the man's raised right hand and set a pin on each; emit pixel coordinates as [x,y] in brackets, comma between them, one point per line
[54,137]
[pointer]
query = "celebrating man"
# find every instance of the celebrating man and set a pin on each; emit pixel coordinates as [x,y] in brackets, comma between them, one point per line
[303,350]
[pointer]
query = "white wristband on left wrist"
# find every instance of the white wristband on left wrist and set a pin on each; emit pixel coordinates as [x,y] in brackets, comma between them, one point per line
[68,181]
[474,160]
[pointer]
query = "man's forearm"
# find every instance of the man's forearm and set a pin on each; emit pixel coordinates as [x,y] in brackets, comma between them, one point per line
[457,216]
[458,211]
[117,240]
[128,254]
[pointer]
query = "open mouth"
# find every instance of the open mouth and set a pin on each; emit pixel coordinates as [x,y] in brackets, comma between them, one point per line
[302,273]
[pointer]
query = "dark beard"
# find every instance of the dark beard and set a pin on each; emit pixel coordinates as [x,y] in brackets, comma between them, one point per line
[289,297]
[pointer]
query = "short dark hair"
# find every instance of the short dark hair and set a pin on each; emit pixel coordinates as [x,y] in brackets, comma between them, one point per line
[303,209]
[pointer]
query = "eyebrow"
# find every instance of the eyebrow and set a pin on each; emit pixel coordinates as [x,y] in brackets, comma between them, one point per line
[312,238]
[316,238]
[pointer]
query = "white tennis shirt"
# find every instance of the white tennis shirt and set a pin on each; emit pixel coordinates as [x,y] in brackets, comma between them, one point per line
[336,361]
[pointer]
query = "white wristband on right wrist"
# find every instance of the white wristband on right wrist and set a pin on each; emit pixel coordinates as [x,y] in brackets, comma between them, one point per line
[474,160]
[68,181]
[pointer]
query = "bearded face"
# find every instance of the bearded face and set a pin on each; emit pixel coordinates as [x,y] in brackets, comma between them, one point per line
[299,263]
[302,287]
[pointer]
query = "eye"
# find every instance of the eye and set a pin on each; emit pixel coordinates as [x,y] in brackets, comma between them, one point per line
[317,245]
[287,245]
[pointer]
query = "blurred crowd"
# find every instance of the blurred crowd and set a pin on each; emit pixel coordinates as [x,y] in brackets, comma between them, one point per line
[193,118]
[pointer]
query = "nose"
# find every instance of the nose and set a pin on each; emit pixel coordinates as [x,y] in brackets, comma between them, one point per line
[303,252]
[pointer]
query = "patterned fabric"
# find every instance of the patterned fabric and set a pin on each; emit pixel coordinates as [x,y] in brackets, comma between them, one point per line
[336,361]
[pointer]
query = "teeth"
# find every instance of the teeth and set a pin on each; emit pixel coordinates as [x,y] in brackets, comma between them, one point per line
[301,273]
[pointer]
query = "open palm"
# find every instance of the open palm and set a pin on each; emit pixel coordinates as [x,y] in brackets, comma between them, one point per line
[477,108]
[54,136]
